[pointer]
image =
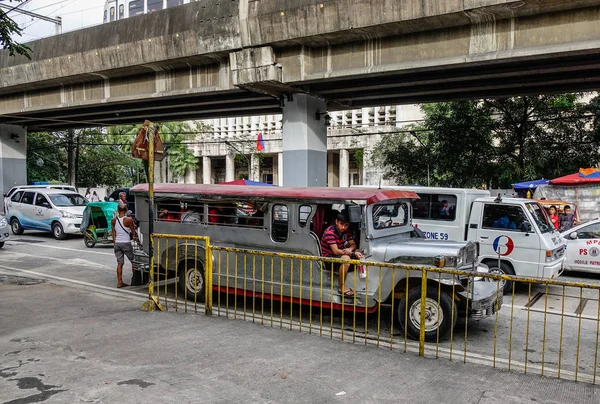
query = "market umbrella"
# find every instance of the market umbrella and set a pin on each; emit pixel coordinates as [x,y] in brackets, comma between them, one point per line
[530,184]
[576,179]
[246,182]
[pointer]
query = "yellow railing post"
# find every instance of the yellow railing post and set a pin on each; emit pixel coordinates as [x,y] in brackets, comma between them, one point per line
[208,272]
[422,313]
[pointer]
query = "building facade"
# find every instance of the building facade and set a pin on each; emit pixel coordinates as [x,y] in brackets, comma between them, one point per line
[229,150]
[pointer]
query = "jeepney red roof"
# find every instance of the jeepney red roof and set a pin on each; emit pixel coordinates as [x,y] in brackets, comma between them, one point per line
[371,195]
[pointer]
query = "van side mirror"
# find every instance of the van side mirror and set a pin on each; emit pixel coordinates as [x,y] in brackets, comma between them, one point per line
[354,212]
[573,236]
[526,227]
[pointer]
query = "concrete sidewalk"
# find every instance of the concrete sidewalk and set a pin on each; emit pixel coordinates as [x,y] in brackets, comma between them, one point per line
[65,345]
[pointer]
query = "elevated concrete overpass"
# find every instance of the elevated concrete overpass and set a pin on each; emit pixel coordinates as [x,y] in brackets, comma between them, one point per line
[242,57]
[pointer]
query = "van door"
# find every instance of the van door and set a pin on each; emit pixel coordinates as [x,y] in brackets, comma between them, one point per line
[42,212]
[27,215]
[503,234]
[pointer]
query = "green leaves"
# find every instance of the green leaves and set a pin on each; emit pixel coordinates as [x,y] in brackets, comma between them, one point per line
[495,142]
[8,29]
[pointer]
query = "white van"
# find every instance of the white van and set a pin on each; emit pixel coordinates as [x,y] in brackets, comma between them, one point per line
[515,235]
[52,210]
[14,189]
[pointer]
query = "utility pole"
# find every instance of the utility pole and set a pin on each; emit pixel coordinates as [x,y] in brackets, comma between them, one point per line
[71,155]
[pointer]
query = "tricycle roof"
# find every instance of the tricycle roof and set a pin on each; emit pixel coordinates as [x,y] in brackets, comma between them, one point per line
[216,191]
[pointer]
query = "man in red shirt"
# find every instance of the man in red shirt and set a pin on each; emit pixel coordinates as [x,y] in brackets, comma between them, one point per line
[337,242]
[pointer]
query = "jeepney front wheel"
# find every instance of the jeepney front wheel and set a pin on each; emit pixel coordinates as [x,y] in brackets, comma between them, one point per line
[439,316]
[191,280]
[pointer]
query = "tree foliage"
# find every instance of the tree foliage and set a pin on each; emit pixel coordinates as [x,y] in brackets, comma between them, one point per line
[495,142]
[8,30]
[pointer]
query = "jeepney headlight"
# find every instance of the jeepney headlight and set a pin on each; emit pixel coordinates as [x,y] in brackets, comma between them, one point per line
[3,221]
[452,262]
[439,262]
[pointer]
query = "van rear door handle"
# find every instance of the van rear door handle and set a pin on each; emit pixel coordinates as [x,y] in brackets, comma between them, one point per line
[484,237]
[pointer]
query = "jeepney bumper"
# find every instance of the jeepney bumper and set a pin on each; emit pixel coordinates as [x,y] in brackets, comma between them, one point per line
[141,261]
[484,299]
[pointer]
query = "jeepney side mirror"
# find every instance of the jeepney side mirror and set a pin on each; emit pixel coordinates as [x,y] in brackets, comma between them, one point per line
[573,236]
[354,213]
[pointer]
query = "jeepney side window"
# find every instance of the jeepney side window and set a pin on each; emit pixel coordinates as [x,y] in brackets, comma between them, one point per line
[168,210]
[279,223]
[304,214]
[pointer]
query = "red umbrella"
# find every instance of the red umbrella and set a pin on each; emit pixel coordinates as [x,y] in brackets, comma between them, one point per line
[575,179]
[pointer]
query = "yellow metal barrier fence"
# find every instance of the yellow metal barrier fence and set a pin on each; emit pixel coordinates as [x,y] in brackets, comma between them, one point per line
[547,327]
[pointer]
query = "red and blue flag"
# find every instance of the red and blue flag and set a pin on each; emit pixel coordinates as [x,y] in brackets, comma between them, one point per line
[260,144]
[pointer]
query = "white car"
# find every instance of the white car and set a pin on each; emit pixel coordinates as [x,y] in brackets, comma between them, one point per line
[52,210]
[583,247]
[4,234]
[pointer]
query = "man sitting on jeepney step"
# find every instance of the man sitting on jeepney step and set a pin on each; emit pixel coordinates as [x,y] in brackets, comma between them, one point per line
[337,242]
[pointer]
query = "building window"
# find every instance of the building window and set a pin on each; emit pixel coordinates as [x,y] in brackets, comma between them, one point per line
[155,5]
[267,178]
[121,11]
[279,224]
[173,3]
[105,15]
[434,207]
[112,13]
[136,7]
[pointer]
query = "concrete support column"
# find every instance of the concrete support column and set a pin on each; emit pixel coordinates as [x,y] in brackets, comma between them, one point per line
[344,168]
[13,153]
[206,170]
[229,168]
[304,142]
[190,177]
[254,167]
[280,169]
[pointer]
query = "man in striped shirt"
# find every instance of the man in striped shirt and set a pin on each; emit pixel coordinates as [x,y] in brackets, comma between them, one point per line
[337,242]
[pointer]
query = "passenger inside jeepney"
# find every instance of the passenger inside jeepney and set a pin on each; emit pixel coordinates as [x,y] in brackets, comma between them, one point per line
[337,242]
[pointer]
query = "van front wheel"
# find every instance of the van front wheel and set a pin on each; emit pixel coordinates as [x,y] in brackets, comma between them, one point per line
[191,280]
[503,269]
[439,316]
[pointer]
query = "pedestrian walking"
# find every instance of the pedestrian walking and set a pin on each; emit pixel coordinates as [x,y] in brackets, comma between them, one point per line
[123,231]
[88,195]
[95,197]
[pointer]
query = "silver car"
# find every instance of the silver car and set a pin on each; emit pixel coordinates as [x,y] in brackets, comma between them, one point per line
[4,233]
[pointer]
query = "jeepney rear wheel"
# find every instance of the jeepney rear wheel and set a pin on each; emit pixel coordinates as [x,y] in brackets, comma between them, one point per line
[191,280]
[503,269]
[438,316]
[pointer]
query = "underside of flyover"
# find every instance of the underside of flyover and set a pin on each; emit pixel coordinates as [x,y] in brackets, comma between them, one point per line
[526,76]
[241,58]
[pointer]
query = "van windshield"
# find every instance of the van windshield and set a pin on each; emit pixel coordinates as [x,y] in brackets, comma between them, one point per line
[540,216]
[68,200]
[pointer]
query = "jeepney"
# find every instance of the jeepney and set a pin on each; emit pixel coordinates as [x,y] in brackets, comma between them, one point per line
[292,220]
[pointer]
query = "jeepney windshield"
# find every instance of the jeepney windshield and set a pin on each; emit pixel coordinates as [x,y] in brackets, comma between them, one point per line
[390,215]
[540,216]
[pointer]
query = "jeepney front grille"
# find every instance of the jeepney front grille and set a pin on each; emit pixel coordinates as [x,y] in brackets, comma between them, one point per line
[469,254]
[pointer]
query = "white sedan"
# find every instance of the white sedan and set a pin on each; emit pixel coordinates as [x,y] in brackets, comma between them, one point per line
[583,247]
[4,234]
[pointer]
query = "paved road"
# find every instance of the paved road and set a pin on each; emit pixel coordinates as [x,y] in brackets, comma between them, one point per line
[488,341]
